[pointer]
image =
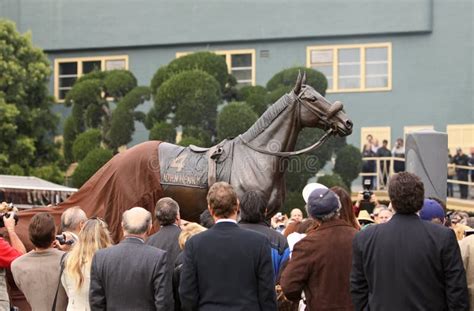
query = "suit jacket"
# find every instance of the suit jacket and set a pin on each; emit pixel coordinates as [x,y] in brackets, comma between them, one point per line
[467,252]
[167,240]
[130,276]
[37,275]
[227,268]
[408,264]
[321,265]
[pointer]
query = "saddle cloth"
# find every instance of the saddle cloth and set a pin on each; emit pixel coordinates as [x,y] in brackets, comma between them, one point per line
[183,166]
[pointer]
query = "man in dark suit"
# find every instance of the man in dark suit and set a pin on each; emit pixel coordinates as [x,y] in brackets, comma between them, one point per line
[167,214]
[407,263]
[131,275]
[227,267]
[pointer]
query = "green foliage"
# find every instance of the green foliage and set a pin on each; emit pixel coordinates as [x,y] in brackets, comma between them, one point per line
[86,142]
[91,163]
[49,172]
[163,131]
[119,82]
[189,140]
[27,123]
[255,97]
[208,62]
[191,97]
[16,169]
[234,119]
[122,125]
[203,136]
[287,78]
[332,181]
[294,199]
[348,164]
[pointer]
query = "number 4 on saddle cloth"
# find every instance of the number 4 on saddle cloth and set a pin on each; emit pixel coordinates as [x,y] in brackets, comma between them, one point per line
[195,166]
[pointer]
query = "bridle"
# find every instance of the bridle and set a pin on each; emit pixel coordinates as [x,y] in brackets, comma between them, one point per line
[325,118]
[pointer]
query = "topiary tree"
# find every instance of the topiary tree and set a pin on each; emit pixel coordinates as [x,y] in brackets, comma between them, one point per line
[25,106]
[294,199]
[285,79]
[187,99]
[163,131]
[332,181]
[86,142]
[94,160]
[193,132]
[234,119]
[348,164]
[208,62]
[189,140]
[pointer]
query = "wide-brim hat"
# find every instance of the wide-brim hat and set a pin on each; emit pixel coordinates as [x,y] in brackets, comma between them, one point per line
[364,216]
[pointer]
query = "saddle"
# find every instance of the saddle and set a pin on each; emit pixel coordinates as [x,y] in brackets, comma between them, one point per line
[195,166]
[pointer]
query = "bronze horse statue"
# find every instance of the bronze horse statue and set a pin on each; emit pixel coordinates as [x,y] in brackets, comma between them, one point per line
[254,160]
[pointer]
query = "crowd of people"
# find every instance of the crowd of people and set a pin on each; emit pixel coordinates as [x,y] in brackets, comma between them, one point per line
[456,169]
[400,256]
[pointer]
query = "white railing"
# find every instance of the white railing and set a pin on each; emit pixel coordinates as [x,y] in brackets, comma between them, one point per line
[382,171]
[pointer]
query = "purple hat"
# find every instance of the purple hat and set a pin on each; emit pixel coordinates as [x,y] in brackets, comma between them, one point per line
[322,201]
[431,209]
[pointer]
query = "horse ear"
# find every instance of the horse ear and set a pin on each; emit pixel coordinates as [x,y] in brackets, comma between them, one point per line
[298,84]
[303,81]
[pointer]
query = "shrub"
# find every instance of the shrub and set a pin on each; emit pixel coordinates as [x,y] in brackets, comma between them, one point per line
[119,82]
[287,78]
[85,142]
[332,181]
[189,140]
[163,131]
[91,163]
[348,164]
[255,97]
[234,119]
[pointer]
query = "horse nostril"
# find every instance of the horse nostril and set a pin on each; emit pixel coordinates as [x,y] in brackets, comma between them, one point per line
[349,124]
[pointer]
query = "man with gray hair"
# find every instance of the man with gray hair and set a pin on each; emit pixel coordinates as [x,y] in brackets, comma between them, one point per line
[321,262]
[72,220]
[131,275]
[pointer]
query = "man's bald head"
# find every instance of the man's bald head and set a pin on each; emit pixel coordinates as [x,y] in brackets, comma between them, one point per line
[136,221]
[72,218]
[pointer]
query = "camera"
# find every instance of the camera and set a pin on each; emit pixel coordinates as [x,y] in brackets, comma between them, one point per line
[279,216]
[367,193]
[61,238]
[7,215]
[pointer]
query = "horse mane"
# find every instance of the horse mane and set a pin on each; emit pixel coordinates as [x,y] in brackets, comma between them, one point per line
[269,116]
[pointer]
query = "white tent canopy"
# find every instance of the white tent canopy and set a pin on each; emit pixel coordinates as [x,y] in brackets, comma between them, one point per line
[31,183]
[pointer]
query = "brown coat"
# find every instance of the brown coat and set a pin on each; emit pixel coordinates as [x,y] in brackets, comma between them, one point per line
[321,266]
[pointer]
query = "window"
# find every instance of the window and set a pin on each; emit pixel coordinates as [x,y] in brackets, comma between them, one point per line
[68,70]
[240,63]
[353,68]
[460,135]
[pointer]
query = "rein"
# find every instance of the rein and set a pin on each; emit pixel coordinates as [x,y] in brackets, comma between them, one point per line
[307,149]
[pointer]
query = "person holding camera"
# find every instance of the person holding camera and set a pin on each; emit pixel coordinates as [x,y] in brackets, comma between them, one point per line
[8,253]
[72,221]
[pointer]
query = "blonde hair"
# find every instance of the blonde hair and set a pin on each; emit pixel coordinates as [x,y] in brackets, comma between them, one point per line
[189,229]
[93,236]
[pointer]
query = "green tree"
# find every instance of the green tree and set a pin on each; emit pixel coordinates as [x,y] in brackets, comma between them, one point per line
[234,119]
[286,79]
[256,97]
[163,131]
[94,160]
[25,106]
[49,172]
[332,181]
[189,98]
[348,164]
[189,140]
[85,142]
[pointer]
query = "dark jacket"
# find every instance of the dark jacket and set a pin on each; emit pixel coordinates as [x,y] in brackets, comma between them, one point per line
[408,264]
[227,268]
[320,265]
[167,240]
[278,243]
[130,276]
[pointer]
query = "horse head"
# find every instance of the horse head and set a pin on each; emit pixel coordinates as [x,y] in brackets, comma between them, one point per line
[317,111]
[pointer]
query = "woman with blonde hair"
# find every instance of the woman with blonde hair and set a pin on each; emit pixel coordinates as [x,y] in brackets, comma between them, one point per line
[94,235]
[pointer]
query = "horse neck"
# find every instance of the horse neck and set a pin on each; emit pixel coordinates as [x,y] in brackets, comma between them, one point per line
[278,127]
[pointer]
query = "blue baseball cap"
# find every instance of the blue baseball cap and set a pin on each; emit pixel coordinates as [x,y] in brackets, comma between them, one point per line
[322,201]
[431,209]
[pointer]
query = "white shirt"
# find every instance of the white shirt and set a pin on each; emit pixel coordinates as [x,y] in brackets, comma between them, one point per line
[226,220]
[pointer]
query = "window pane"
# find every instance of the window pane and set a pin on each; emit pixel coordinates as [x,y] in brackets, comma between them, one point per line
[379,69]
[349,83]
[373,82]
[321,56]
[349,55]
[242,74]
[115,64]
[68,68]
[349,70]
[372,54]
[241,60]
[90,66]
[66,82]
